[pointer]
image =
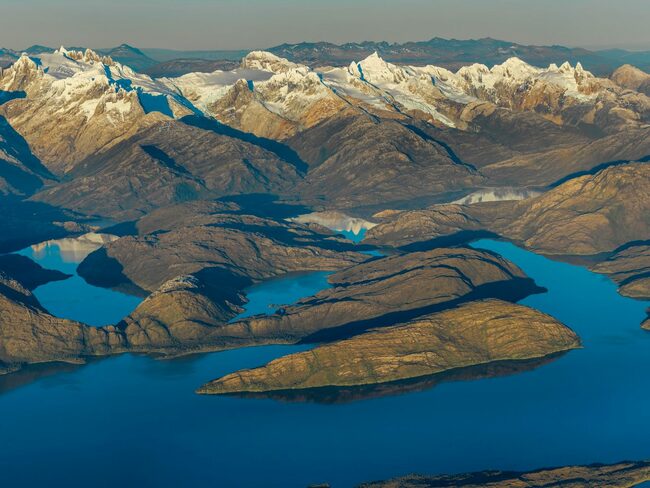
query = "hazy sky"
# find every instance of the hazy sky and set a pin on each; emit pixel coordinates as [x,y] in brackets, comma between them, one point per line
[235,24]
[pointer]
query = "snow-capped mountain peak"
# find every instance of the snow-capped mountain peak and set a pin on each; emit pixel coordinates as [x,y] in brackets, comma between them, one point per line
[266,61]
[374,69]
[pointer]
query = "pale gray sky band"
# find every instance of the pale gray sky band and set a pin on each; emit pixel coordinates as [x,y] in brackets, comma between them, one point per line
[237,24]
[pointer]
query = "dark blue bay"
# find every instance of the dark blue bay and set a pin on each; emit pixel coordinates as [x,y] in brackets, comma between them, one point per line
[74,298]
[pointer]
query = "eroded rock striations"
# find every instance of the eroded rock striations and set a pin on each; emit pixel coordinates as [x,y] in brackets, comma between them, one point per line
[247,246]
[475,333]
[586,215]
[630,268]
[28,334]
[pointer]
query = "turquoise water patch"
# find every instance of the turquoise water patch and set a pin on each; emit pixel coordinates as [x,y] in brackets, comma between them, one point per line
[270,295]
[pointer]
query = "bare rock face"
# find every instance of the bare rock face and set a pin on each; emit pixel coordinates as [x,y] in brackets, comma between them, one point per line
[384,292]
[585,215]
[630,268]
[28,334]
[628,76]
[358,160]
[183,312]
[240,108]
[247,246]
[65,120]
[475,333]
[168,163]
[622,475]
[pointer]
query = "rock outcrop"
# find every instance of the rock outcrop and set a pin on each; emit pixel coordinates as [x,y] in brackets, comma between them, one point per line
[475,333]
[247,246]
[28,334]
[630,268]
[383,292]
[585,215]
[183,313]
[631,77]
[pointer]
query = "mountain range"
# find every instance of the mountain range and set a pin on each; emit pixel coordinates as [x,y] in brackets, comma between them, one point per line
[194,176]
[447,53]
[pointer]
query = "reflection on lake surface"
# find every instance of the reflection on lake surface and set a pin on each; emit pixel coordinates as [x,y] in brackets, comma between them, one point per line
[70,249]
[347,394]
[135,418]
[497,195]
[73,298]
[352,228]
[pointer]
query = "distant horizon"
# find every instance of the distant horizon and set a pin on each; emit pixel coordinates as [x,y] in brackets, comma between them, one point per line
[232,25]
[601,47]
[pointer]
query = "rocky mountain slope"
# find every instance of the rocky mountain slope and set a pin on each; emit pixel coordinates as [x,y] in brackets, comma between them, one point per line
[633,78]
[586,215]
[391,293]
[244,245]
[357,136]
[85,136]
[630,268]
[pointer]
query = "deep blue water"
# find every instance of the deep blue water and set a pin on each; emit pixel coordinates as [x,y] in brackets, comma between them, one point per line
[266,297]
[135,421]
[74,298]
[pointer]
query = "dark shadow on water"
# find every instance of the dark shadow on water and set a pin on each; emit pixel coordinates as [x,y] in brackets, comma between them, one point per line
[30,274]
[99,269]
[33,372]
[26,183]
[222,285]
[265,205]
[122,229]
[348,394]
[24,223]
[458,239]
[512,290]
[280,150]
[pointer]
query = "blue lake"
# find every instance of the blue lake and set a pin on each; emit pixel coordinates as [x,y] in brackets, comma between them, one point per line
[73,298]
[266,297]
[136,421]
